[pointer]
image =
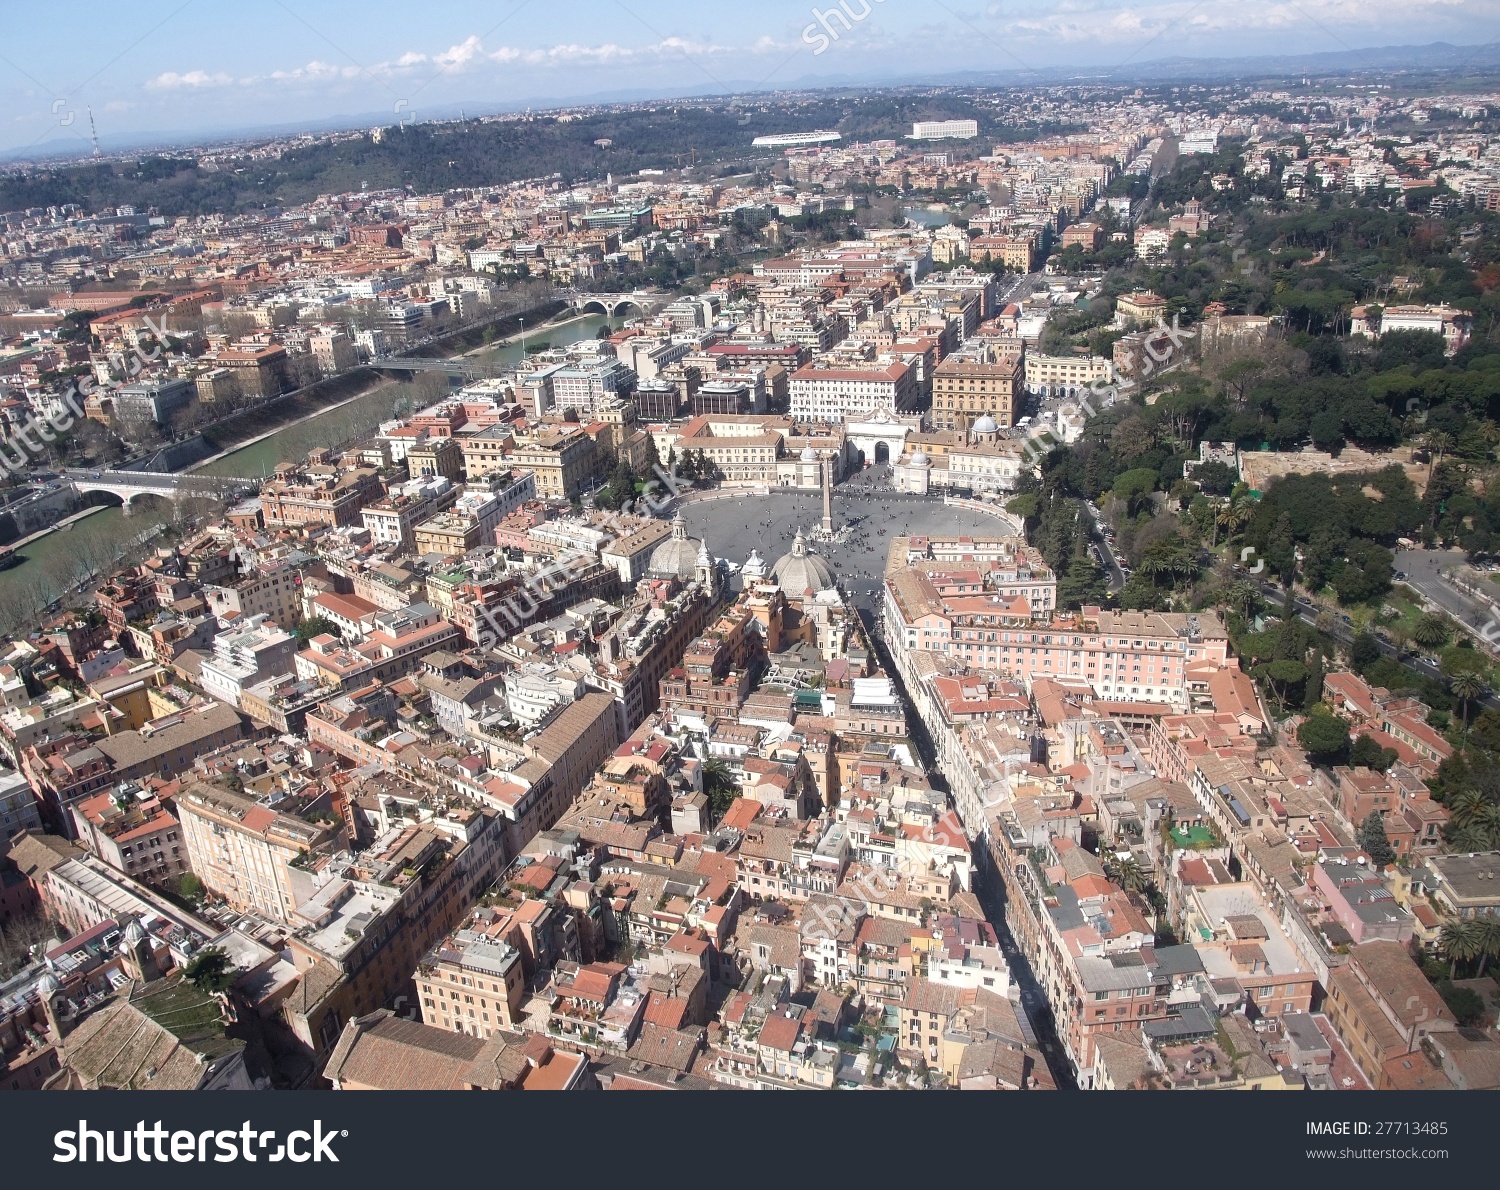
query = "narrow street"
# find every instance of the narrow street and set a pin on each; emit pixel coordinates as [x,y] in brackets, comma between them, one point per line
[986,884]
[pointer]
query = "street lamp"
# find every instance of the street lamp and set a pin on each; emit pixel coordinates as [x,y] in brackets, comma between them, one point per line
[523,340]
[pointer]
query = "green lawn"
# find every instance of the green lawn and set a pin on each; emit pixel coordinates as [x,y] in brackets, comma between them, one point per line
[1195,838]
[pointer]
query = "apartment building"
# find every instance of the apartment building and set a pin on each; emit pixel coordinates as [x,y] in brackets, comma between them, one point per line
[167,746]
[1384,1007]
[258,371]
[561,464]
[839,394]
[1141,308]
[945,129]
[273,591]
[296,501]
[970,385]
[248,653]
[1019,251]
[133,833]
[363,922]
[392,520]
[1065,375]
[647,641]
[333,350]
[244,851]
[1128,656]
[477,972]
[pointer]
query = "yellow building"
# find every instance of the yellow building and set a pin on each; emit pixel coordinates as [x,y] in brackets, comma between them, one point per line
[965,389]
[243,851]
[562,464]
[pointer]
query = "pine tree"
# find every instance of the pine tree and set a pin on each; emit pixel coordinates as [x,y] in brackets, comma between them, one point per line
[1373,841]
[1281,549]
[1082,584]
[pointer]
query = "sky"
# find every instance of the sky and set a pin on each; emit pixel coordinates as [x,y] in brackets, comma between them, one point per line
[193,67]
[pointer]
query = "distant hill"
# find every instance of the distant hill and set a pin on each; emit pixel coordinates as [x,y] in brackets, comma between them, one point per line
[435,157]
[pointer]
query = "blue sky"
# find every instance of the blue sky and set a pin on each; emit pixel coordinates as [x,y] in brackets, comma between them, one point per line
[190,66]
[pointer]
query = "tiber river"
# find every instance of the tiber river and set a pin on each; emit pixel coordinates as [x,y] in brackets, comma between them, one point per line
[55,562]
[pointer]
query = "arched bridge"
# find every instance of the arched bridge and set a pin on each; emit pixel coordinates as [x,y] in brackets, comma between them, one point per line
[458,366]
[127,485]
[610,304]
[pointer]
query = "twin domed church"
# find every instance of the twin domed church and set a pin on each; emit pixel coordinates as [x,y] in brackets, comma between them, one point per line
[688,560]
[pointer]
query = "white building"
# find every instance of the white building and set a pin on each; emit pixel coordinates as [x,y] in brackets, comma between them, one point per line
[244,655]
[1064,375]
[945,130]
[533,692]
[852,394]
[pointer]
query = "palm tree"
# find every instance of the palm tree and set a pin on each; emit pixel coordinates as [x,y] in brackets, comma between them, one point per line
[1487,824]
[1487,930]
[1438,443]
[1153,566]
[1234,516]
[1459,942]
[1466,687]
[1430,631]
[1465,807]
[1243,597]
[1130,876]
[720,786]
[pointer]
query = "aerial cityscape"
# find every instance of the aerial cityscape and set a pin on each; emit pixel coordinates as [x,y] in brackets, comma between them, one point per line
[967,585]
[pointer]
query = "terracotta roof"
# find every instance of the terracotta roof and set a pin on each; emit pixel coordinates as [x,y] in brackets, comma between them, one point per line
[780,1032]
[390,1054]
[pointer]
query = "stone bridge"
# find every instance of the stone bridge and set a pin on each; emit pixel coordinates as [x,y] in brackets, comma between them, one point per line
[128,485]
[609,304]
[457,366]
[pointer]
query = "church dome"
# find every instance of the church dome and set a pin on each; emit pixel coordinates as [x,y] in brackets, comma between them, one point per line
[919,458]
[799,570]
[986,425]
[47,986]
[677,557]
[809,455]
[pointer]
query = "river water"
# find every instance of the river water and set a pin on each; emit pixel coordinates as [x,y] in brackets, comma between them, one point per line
[359,417]
[927,218]
[55,562]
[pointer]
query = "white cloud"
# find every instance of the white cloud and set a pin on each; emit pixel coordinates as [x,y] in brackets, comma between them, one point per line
[471,54]
[1105,23]
[314,72]
[192,80]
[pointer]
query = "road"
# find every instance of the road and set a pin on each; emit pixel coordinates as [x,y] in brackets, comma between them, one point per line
[1423,569]
[1103,549]
[1017,288]
[169,480]
[1343,632]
